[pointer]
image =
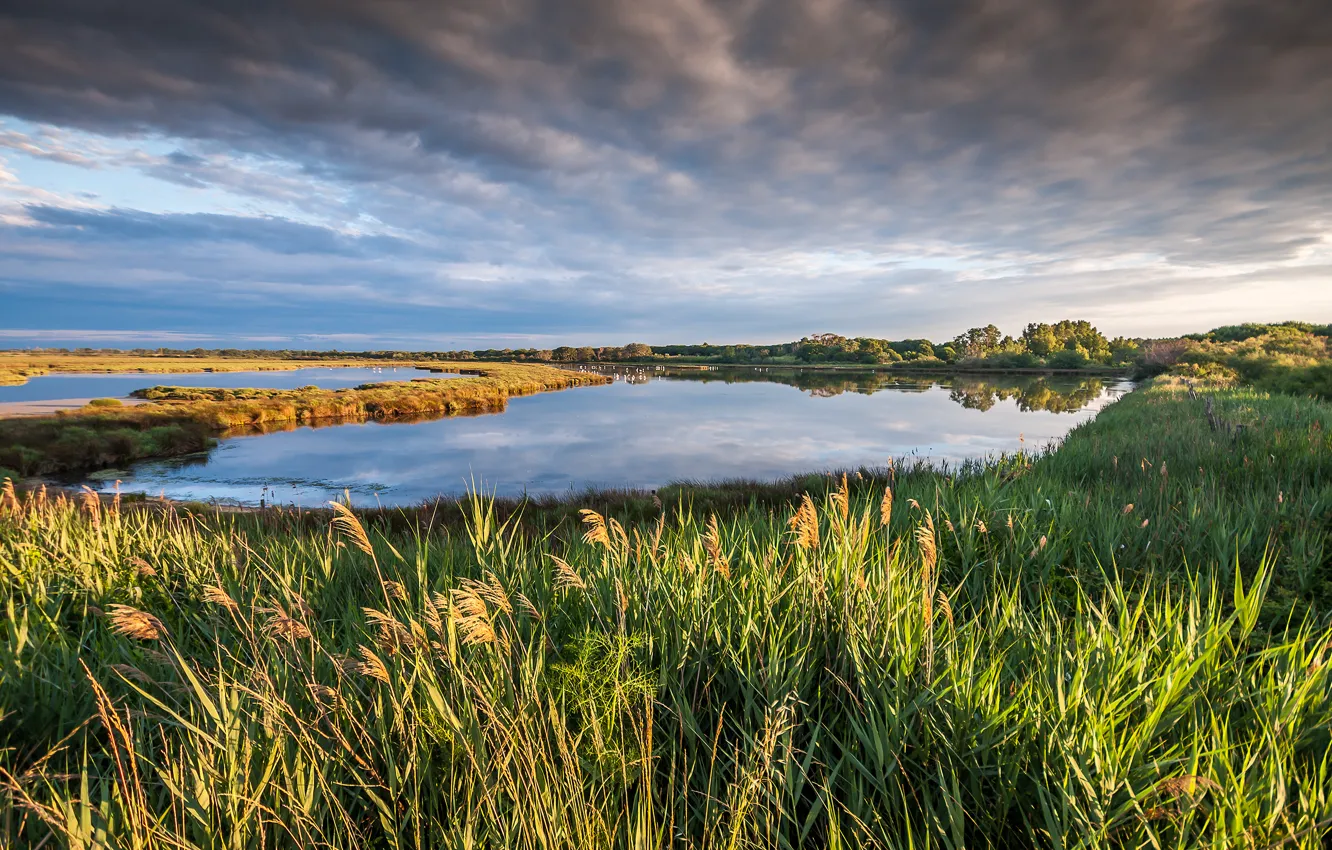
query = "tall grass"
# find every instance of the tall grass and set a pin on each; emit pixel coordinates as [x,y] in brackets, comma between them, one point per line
[1005,655]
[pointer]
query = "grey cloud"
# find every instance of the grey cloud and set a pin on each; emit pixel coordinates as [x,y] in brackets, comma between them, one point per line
[600,139]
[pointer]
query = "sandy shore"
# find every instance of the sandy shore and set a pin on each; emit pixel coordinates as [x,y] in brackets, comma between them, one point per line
[46,407]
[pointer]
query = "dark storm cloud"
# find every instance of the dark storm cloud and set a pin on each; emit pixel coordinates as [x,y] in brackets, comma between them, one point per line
[651,152]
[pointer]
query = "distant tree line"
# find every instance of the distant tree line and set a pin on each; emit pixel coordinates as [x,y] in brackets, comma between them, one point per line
[1067,344]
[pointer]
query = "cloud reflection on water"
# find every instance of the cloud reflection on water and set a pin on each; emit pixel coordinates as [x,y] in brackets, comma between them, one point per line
[642,435]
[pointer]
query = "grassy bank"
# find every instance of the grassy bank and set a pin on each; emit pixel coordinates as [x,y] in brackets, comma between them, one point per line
[17,377]
[183,420]
[1279,358]
[1120,643]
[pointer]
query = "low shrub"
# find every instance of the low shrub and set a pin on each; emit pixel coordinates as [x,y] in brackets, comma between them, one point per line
[1069,358]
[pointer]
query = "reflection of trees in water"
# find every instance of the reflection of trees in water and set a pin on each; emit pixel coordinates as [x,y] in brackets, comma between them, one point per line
[822,383]
[1063,396]
[1054,394]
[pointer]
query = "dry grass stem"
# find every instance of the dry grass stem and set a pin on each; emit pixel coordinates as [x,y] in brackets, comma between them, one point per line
[805,524]
[280,625]
[346,523]
[136,624]
[596,528]
[566,578]
[218,596]
[372,666]
[712,545]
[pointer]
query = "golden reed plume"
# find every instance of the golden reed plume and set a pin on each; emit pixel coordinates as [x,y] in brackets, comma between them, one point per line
[712,543]
[805,524]
[133,623]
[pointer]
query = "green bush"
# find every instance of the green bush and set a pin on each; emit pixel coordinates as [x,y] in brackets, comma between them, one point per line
[1004,360]
[105,402]
[1288,358]
[175,440]
[25,459]
[1069,358]
[1215,372]
[76,447]
[1308,381]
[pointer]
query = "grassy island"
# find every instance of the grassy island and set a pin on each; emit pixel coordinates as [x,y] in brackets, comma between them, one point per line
[1124,642]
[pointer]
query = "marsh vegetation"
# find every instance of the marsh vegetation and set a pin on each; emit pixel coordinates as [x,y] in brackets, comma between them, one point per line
[1122,642]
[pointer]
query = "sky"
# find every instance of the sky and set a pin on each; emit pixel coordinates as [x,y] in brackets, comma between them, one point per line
[490,173]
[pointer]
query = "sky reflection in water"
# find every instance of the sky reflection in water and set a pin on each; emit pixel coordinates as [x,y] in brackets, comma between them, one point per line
[639,434]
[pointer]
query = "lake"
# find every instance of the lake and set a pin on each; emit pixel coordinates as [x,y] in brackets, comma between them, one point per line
[649,428]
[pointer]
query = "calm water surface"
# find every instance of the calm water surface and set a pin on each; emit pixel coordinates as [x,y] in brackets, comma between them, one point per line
[645,430]
[63,386]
